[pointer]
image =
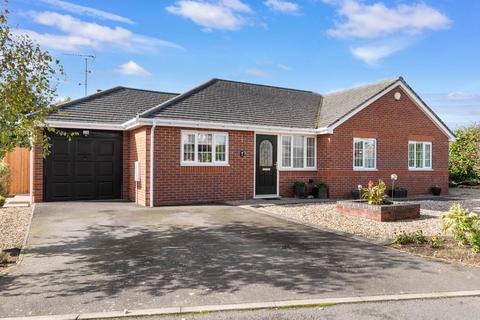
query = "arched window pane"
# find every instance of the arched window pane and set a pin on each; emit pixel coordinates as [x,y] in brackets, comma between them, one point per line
[266,153]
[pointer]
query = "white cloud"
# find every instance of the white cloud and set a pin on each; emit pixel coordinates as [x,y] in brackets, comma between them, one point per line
[282,6]
[284,67]
[223,15]
[371,53]
[237,5]
[381,31]
[58,42]
[457,109]
[377,20]
[88,11]
[462,96]
[256,72]
[131,68]
[78,33]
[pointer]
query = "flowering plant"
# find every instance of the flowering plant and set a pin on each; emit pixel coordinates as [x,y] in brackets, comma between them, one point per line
[375,194]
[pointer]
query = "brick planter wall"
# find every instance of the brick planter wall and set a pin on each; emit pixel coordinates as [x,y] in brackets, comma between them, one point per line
[393,212]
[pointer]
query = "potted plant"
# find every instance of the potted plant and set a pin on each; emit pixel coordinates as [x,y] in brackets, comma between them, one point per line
[299,189]
[321,190]
[357,193]
[436,190]
[398,192]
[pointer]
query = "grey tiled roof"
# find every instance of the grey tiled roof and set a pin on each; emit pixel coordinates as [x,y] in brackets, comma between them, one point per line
[243,103]
[338,104]
[225,101]
[115,105]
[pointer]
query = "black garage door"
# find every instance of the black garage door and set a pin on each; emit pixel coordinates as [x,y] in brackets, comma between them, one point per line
[86,168]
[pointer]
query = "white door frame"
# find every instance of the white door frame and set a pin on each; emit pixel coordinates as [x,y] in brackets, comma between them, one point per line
[262,196]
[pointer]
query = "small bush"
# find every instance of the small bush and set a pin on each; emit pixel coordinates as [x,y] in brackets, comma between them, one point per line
[474,241]
[4,179]
[460,222]
[464,225]
[2,201]
[415,237]
[375,194]
[436,242]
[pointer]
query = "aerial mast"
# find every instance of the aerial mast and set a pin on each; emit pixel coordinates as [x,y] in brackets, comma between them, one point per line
[86,57]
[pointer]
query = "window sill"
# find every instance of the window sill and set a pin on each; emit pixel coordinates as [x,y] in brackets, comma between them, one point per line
[365,169]
[205,165]
[297,169]
[419,169]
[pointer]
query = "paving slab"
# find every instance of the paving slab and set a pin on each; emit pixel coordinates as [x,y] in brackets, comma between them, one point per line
[107,257]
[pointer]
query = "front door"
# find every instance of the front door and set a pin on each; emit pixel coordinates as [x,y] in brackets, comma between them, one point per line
[266,165]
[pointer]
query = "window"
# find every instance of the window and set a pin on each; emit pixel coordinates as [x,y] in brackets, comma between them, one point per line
[298,152]
[266,154]
[287,151]
[419,155]
[204,148]
[364,154]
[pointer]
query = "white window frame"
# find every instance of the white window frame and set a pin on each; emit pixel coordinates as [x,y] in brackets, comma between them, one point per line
[423,168]
[362,167]
[281,167]
[204,164]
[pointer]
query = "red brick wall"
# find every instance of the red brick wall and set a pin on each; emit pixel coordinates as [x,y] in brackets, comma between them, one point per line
[135,148]
[176,184]
[37,174]
[393,123]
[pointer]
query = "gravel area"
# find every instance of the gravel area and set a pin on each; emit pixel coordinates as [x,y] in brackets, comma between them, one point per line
[13,226]
[326,215]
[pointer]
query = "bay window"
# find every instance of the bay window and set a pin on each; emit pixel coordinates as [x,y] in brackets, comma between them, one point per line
[419,155]
[204,148]
[298,152]
[364,154]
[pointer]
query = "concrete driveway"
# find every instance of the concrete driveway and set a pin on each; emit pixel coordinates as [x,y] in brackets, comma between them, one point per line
[89,257]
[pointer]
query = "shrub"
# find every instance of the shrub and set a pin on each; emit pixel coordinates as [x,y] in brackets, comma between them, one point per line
[300,188]
[464,225]
[415,237]
[464,154]
[474,241]
[4,179]
[460,222]
[2,201]
[375,194]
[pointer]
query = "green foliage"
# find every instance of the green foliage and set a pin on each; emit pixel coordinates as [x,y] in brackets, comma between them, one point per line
[415,237]
[464,154]
[375,194]
[418,238]
[299,184]
[464,225]
[4,179]
[28,78]
[436,242]
[321,185]
[2,201]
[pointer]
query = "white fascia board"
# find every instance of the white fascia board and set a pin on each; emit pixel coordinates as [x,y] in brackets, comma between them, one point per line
[213,125]
[411,95]
[84,125]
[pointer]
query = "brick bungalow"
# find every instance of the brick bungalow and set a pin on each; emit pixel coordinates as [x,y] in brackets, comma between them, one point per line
[227,140]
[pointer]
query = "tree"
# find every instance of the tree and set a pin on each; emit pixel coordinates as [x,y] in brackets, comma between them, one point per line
[28,78]
[464,154]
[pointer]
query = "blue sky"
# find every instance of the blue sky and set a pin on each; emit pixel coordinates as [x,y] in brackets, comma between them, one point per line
[319,45]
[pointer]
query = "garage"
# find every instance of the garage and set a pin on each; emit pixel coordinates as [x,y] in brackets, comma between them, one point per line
[88,167]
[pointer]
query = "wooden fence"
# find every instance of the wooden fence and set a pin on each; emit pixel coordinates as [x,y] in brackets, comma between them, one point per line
[19,163]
